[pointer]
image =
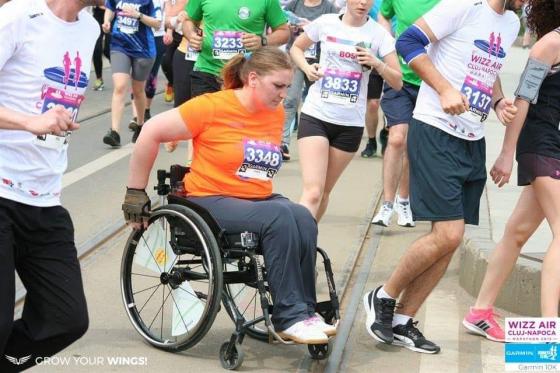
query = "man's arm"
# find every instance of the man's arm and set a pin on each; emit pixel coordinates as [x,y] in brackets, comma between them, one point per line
[411,46]
[55,121]
[385,23]
[279,35]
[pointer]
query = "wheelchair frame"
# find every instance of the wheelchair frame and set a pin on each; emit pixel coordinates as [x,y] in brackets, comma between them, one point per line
[220,248]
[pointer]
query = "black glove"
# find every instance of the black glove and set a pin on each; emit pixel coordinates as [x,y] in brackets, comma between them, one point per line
[136,206]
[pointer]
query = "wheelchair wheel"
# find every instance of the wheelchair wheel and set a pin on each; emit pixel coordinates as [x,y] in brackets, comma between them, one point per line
[244,300]
[171,286]
[232,359]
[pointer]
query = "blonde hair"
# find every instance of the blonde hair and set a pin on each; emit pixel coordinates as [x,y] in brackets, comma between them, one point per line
[263,61]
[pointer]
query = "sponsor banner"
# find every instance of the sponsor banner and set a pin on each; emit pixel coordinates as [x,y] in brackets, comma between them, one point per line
[532,329]
[532,357]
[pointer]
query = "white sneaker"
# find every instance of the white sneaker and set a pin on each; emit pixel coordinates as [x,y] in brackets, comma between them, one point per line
[404,213]
[305,332]
[384,215]
[319,322]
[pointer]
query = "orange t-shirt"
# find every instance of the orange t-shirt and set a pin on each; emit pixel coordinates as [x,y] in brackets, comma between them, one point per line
[235,153]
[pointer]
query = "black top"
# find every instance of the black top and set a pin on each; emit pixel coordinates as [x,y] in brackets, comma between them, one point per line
[541,132]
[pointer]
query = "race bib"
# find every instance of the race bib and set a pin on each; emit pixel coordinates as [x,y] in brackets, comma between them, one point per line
[261,160]
[480,99]
[340,87]
[191,54]
[226,44]
[311,52]
[127,25]
[71,102]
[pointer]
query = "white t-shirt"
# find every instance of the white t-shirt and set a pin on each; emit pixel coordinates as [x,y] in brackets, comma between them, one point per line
[339,97]
[473,41]
[39,58]
[159,7]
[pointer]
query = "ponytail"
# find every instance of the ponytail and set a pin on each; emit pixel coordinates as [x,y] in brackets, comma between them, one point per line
[262,61]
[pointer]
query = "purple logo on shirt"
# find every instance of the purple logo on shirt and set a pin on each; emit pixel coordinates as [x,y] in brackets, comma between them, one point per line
[492,46]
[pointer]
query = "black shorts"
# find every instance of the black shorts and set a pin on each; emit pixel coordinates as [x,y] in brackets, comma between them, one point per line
[447,174]
[375,86]
[531,165]
[345,138]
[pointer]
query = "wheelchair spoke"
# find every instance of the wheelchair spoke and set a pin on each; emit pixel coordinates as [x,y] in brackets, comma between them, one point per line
[179,311]
[192,295]
[160,310]
[150,297]
[239,292]
[141,274]
[252,300]
[143,290]
[163,302]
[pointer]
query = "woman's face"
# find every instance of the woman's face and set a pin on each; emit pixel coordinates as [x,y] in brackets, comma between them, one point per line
[269,90]
[359,8]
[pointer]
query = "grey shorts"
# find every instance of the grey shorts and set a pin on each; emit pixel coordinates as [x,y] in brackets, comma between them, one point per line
[447,174]
[140,67]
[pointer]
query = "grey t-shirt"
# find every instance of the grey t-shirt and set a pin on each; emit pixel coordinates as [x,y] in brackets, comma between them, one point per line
[311,13]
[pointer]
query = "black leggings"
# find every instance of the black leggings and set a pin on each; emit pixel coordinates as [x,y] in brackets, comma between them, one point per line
[38,242]
[101,45]
[182,75]
[167,61]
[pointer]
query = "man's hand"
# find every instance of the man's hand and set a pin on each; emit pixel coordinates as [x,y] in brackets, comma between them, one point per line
[251,41]
[313,72]
[195,39]
[506,110]
[136,208]
[453,102]
[501,171]
[106,27]
[56,121]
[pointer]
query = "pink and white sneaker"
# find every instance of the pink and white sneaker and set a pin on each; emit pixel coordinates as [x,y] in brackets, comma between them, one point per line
[482,322]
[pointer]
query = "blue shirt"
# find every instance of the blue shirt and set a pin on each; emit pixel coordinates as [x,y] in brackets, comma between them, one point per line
[129,35]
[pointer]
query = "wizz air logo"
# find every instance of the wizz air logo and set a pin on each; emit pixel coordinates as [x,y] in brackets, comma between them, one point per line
[16,361]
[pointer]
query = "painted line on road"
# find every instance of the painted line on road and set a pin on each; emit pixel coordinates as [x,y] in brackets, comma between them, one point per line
[92,167]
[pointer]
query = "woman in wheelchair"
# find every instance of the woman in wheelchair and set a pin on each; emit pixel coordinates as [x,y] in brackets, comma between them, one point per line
[236,135]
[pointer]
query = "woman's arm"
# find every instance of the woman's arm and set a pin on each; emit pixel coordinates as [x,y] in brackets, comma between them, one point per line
[164,127]
[297,53]
[389,70]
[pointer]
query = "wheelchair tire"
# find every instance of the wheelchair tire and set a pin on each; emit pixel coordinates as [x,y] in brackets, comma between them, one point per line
[190,282]
[246,300]
[232,360]
[319,352]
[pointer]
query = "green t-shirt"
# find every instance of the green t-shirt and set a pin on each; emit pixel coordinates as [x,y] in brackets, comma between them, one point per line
[224,20]
[407,12]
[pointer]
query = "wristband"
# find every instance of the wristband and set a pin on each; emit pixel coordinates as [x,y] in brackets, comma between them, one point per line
[497,102]
[140,16]
[137,189]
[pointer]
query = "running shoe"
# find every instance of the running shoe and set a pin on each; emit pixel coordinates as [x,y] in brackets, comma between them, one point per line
[147,115]
[98,85]
[384,215]
[112,138]
[383,139]
[133,124]
[169,95]
[304,332]
[136,134]
[410,337]
[482,322]
[379,319]
[404,213]
[319,322]
[370,150]
[285,152]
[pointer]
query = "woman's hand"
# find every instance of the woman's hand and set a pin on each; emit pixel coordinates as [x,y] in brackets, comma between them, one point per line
[313,72]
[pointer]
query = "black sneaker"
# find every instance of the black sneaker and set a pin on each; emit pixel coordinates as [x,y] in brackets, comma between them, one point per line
[136,134]
[379,321]
[410,337]
[370,150]
[383,138]
[285,152]
[147,115]
[112,138]
[133,124]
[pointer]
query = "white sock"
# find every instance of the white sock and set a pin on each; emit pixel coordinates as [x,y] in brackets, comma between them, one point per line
[401,200]
[399,319]
[383,294]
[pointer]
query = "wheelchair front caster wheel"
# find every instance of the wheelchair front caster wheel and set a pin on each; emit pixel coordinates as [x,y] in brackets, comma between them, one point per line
[233,358]
[319,352]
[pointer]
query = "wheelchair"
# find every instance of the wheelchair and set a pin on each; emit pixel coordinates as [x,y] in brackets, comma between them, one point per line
[176,273]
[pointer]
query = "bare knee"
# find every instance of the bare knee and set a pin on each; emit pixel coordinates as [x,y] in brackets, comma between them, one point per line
[397,139]
[314,194]
[373,106]
[518,233]
[119,89]
[449,237]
